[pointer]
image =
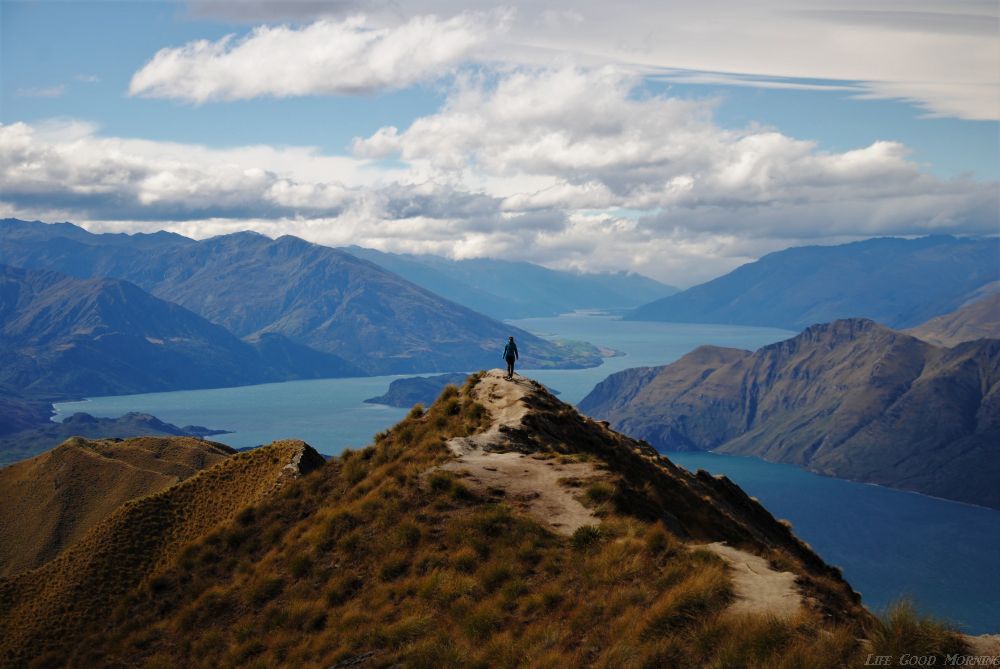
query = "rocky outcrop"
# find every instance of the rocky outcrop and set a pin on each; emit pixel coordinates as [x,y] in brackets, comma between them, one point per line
[851,399]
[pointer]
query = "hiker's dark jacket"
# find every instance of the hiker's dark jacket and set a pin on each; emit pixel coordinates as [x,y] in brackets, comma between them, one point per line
[510,351]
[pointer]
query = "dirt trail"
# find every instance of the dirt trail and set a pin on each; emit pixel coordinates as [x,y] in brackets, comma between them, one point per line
[759,588]
[984,644]
[526,481]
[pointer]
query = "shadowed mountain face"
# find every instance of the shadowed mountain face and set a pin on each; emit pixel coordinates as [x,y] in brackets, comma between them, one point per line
[53,500]
[397,555]
[851,399]
[898,282]
[68,336]
[507,289]
[977,320]
[319,297]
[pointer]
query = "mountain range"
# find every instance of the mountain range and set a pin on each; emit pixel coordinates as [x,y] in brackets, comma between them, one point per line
[851,399]
[512,289]
[898,282]
[318,297]
[69,336]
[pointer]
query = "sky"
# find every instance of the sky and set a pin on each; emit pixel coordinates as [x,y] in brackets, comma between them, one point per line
[675,139]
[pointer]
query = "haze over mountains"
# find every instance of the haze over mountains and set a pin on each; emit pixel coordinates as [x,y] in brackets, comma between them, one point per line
[509,289]
[898,282]
[319,297]
[851,399]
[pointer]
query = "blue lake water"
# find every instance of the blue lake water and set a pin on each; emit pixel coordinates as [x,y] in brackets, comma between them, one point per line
[943,555]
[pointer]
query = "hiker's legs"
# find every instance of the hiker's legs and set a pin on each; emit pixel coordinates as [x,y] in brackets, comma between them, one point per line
[510,368]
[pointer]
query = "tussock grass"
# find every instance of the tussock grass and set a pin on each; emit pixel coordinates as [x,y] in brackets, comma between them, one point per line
[378,555]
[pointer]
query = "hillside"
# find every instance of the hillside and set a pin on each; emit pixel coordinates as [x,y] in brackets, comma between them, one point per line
[68,336]
[511,289]
[436,547]
[976,320]
[47,434]
[53,500]
[851,399]
[19,413]
[319,297]
[898,282]
[44,612]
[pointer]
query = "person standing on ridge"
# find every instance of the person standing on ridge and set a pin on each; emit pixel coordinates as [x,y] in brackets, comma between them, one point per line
[510,354]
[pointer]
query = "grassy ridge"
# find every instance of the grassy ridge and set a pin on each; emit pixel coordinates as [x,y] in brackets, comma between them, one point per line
[379,558]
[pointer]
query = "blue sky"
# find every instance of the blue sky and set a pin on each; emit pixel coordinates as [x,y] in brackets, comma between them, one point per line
[775,158]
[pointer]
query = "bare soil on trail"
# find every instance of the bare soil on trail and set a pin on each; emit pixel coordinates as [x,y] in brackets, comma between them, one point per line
[529,482]
[759,588]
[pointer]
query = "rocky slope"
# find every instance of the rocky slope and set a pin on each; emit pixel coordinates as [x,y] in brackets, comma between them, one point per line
[979,319]
[319,297]
[53,500]
[851,399]
[899,282]
[434,547]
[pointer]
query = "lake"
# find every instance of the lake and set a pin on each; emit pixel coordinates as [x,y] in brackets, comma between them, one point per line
[943,555]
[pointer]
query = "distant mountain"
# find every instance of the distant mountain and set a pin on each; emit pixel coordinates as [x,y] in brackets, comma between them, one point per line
[45,434]
[69,336]
[511,289]
[851,399]
[899,282]
[319,297]
[404,393]
[976,320]
[19,413]
[52,500]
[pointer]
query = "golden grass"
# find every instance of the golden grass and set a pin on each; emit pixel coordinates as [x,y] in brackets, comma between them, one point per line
[54,499]
[378,556]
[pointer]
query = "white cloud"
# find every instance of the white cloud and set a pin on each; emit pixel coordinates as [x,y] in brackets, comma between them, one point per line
[327,57]
[648,184]
[939,54]
[591,141]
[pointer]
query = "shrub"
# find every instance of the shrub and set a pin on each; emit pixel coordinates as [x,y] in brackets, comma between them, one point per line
[300,565]
[901,629]
[586,537]
[342,588]
[266,589]
[599,492]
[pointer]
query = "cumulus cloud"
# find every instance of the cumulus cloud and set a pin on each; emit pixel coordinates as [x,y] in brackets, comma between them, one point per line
[623,182]
[329,56]
[590,140]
